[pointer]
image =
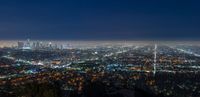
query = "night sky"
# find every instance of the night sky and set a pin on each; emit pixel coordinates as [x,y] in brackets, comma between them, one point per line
[100,19]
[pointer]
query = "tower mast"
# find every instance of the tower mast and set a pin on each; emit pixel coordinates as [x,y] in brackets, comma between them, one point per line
[155,55]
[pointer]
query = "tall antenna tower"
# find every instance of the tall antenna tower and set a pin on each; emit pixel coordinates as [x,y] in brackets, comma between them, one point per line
[155,55]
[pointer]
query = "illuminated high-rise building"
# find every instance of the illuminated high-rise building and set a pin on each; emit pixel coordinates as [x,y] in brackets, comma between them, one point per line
[20,45]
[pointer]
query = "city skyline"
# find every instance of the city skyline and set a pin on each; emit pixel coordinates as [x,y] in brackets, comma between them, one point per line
[99,48]
[159,70]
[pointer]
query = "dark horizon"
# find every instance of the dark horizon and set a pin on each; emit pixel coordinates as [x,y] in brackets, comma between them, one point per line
[100,20]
